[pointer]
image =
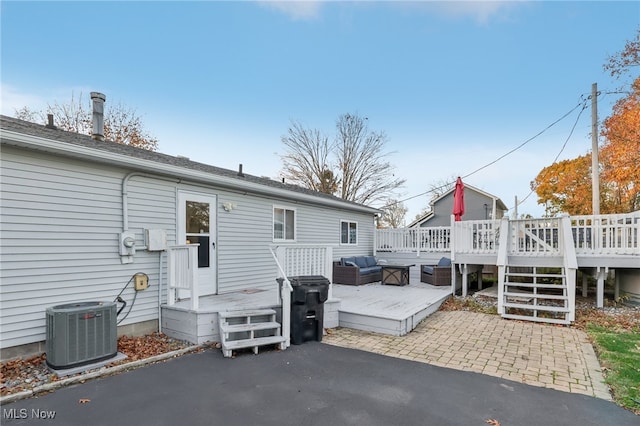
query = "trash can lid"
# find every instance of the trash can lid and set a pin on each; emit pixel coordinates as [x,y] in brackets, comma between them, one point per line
[308,280]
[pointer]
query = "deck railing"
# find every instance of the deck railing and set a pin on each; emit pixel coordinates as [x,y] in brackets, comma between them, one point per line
[305,259]
[476,236]
[427,239]
[182,274]
[610,234]
[535,236]
[607,234]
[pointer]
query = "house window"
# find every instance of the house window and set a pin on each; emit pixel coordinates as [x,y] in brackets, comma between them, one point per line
[348,232]
[284,224]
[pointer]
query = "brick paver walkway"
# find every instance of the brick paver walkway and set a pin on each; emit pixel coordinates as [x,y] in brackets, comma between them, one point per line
[537,354]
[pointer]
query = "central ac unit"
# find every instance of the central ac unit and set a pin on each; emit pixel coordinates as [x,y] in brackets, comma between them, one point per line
[81,333]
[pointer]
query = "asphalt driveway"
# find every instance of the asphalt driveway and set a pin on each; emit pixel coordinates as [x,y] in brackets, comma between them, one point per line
[310,384]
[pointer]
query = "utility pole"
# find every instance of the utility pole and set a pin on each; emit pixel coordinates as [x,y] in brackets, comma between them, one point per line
[515,212]
[595,164]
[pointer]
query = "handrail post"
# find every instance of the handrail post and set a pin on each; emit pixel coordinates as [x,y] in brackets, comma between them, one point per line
[502,260]
[193,276]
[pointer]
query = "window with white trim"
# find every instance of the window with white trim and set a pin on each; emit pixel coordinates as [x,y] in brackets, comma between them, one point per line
[284,224]
[348,232]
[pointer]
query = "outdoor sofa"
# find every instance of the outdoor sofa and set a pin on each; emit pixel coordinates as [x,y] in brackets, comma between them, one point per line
[439,274]
[357,270]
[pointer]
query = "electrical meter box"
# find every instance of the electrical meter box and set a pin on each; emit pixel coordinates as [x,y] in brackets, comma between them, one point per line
[156,239]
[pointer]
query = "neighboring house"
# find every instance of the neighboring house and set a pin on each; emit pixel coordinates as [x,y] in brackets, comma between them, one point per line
[478,205]
[72,205]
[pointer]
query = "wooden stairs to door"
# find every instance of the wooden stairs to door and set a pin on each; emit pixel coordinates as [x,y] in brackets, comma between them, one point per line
[536,294]
[249,329]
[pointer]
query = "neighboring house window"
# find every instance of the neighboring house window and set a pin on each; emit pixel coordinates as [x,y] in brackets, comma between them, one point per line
[284,224]
[348,232]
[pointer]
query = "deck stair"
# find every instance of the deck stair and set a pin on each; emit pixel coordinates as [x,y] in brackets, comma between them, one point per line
[249,329]
[534,293]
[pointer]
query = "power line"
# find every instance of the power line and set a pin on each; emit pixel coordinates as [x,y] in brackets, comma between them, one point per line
[564,145]
[581,103]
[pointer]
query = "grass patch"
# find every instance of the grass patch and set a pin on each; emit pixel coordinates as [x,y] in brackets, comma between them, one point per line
[619,354]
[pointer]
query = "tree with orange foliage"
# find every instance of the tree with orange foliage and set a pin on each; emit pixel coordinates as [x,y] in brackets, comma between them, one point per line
[565,186]
[621,151]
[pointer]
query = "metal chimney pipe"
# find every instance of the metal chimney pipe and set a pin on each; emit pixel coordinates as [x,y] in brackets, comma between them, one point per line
[50,124]
[98,115]
[240,171]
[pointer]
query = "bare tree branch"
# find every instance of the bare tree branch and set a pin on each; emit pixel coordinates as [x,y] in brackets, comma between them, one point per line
[121,124]
[359,170]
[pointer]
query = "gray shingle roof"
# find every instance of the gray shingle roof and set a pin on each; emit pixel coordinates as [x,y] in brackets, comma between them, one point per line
[62,136]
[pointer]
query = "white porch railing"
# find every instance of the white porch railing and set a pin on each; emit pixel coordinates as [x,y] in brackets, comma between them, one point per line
[606,234]
[476,236]
[309,259]
[535,236]
[182,272]
[427,239]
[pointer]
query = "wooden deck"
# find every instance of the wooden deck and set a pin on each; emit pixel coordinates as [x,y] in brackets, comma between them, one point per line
[387,309]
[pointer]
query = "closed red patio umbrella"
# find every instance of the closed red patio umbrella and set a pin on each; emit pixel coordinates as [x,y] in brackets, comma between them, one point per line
[458,200]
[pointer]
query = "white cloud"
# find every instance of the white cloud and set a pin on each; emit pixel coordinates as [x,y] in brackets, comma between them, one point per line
[297,10]
[479,10]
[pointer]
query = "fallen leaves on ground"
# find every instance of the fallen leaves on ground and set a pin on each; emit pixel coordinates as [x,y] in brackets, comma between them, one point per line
[493,422]
[17,375]
[136,348]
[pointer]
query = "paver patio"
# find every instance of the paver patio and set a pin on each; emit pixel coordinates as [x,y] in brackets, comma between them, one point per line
[556,357]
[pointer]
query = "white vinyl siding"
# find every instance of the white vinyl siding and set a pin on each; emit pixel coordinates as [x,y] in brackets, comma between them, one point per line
[60,219]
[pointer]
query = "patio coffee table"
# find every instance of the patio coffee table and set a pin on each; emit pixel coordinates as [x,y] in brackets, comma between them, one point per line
[395,274]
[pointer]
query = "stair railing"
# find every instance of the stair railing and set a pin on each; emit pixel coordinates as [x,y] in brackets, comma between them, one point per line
[502,260]
[182,271]
[570,261]
[284,299]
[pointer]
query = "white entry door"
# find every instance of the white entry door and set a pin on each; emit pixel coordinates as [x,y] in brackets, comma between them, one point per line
[197,225]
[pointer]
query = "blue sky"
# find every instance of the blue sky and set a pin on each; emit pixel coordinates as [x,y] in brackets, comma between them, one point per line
[454,85]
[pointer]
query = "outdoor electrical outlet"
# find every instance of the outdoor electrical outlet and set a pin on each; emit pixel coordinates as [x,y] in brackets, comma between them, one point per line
[141,282]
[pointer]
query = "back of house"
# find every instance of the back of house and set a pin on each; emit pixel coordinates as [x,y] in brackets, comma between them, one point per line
[81,218]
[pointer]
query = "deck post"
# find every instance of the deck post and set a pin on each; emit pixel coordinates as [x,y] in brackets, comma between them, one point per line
[465,284]
[502,260]
[585,287]
[193,276]
[601,273]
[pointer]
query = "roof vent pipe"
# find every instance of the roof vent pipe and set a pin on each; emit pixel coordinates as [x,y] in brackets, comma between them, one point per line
[240,170]
[98,115]
[50,124]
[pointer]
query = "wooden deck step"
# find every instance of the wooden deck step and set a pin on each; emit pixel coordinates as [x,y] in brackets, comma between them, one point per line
[532,274]
[254,326]
[534,296]
[537,285]
[538,319]
[252,343]
[561,309]
[239,330]
[246,313]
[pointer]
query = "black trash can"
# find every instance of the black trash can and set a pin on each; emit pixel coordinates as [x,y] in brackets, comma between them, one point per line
[307,307]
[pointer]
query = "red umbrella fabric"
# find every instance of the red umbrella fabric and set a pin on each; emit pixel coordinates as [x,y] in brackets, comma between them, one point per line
[458,200]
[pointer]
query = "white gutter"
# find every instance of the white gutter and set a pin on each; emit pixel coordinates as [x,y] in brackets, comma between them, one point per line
[49,145]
